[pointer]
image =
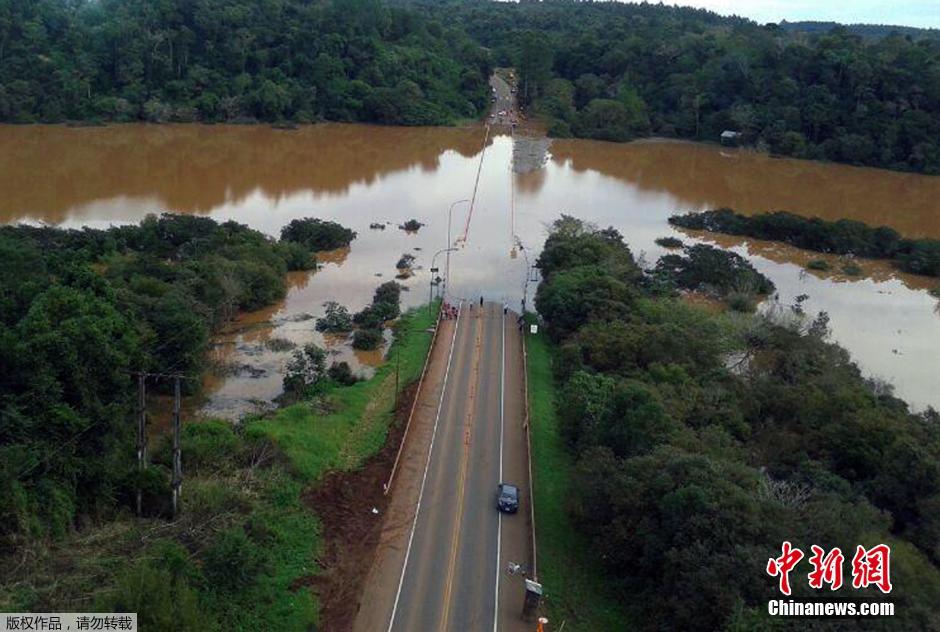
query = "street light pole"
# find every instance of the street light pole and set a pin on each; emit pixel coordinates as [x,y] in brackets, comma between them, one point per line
[433,272]
[449,243]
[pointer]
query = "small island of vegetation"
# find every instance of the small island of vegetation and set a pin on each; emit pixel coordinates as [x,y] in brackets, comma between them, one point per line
[842,237]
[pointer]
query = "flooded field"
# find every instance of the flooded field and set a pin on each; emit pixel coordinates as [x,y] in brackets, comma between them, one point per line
[362,175]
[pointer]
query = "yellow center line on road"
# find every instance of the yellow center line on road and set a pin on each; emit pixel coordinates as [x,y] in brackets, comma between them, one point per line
[462,476]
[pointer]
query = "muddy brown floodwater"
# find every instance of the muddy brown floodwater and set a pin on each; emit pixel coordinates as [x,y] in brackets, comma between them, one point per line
[360,175]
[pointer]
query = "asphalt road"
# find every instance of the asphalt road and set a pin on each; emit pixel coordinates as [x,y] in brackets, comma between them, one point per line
[453,573]
[505,101]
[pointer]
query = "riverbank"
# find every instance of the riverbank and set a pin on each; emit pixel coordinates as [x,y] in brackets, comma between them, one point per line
[247,544]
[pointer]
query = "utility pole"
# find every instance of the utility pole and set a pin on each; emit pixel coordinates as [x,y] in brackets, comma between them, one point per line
[397,372]
[177,480]
[141,435]
[450,212]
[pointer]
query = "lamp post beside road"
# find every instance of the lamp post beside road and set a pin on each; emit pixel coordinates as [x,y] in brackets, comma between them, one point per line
[433,272]
[449,243]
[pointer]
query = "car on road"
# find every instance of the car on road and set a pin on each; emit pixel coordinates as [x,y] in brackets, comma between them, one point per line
[507,498]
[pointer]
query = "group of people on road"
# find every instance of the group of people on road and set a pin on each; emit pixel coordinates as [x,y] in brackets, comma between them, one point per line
[452,312]
[449,312]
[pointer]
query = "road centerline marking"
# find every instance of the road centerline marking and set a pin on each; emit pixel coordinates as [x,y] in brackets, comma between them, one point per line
[462,477]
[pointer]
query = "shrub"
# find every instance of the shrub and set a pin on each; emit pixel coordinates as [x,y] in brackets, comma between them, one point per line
[850,268]
[411,226]
[234,562]
[741,302]
[208,443]
[317,234]
[160,589]
[305,371]
[336,319]
[670,242]
[341,373]
[367,339]
[818,264]
[405,261]
[707,267]
[296,256]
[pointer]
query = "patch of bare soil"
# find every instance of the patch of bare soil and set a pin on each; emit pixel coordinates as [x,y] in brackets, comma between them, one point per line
[344,502]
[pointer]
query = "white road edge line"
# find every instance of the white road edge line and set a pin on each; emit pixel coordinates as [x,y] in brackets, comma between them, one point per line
[427,465]
[499,515]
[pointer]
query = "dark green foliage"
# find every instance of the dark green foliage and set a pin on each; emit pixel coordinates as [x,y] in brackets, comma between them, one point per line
[851,268]
[234,562]
[843,237]
[705,267]
[411,226]
[239,60]
[162,590]
[405,261]
[670,242]
[629,69]
[367,339]
[80,311]
[818,264]
[336,320]
[342,374]
[317,234]
[692,469]
[305,371]
[384,306]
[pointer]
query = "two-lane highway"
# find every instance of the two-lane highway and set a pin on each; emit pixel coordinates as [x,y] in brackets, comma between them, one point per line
[451,573]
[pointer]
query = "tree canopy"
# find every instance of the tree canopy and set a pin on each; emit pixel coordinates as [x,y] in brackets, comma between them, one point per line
[702,441]
[231,60]
[617,70]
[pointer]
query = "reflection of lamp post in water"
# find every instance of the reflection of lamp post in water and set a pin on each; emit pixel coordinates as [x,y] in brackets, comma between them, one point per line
[450,212]
[433,272]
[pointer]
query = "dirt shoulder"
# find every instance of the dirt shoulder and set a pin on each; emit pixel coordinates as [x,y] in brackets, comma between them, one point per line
[350,506]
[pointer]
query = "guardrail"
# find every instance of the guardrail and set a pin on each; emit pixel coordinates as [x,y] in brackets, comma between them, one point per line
[414,401]
[528,449]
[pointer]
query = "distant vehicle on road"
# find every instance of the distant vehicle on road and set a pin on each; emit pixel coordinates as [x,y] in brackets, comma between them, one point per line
[507,498]
[513,90]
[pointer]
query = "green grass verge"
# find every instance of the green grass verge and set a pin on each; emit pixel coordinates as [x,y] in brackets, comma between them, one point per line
[576,593]
[359,417]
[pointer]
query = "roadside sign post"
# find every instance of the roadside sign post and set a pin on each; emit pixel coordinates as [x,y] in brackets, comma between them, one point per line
[533,598]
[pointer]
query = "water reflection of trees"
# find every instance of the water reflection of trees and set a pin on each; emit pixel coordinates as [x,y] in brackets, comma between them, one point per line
[871,269]
[47,170]
[704,176]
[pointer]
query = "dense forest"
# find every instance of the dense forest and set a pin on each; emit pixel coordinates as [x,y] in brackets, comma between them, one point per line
[842,237]
[616,71]
[81,311]
[705,440]
[234,60]
[605,70]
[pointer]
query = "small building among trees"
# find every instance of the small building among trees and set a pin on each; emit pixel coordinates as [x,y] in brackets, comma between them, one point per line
[730,138]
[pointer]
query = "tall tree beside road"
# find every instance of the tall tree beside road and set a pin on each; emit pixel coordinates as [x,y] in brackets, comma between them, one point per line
[535,65]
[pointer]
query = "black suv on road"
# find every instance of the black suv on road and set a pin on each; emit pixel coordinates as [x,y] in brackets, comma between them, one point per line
[507,498]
